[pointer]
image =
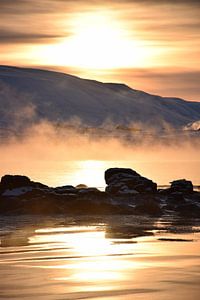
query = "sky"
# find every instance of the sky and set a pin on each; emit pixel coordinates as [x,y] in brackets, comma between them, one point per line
[151,45]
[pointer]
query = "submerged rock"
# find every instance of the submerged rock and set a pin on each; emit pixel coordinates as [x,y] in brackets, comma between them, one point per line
[125,181]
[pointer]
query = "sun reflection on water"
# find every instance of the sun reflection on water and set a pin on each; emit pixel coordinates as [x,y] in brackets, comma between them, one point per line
[94,261]
[76,259]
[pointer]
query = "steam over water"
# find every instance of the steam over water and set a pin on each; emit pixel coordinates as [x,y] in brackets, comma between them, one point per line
[61,156]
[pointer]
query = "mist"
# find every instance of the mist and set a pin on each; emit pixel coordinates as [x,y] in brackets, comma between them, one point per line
[46,152]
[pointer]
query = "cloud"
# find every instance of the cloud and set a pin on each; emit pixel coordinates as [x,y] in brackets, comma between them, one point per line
[167,31]
[31,21]
[7,37]
[159,2]
[146,19]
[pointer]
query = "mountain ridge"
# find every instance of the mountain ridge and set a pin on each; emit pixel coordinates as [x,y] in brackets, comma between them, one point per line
[29,95]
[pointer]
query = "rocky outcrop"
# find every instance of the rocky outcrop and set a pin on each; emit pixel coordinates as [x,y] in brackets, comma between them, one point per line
[182,185]
[124,181]
[14,181]
[18,184]
[127,192]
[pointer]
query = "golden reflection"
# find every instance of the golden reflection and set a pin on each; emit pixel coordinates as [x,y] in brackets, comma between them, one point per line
[66,229]
[95,262]
[87,265]
[98,270]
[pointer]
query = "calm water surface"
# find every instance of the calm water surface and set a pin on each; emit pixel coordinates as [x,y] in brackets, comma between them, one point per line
[114,258]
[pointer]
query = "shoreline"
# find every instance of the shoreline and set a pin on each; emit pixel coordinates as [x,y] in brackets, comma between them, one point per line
[126,192]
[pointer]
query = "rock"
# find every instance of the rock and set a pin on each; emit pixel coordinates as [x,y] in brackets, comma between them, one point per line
[88,191]
[120,189]
[16,185]
[93,206]
[182,185]
[120,172]
[39,185]
[67,189]
[188,210]
[176,197]
[81,186]
[123,181]
[17,191]
[9,182]
[148,206]
[20,195]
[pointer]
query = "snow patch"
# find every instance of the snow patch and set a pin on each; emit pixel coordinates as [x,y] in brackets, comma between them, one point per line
[193,126]
[17,191]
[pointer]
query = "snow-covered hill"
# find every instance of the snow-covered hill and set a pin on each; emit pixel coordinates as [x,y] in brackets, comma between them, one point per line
[30,95]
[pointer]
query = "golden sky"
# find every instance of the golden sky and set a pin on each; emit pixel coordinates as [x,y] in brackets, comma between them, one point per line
[152,45]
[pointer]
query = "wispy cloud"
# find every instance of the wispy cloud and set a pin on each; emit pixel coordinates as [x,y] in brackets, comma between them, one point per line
[170,28]
[10,37]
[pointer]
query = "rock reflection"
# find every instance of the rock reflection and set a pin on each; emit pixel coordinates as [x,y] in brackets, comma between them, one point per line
[16,238]
[126,232]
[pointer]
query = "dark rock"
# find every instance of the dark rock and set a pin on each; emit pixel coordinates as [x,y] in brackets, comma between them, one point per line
[182,185]
[127,193]
[119,172]
[35,193]
[39,185]
[188,210]
[14,181]
[122,181]
[67,189]
[148,206]
[88,191]
[167,191]
[91,206]
[6,206]
[176,197]
[42,205]
[120,189]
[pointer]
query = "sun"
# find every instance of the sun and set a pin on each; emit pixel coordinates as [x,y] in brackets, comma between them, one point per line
[97,41]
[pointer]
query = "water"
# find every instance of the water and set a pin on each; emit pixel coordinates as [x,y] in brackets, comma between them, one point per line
[101,258]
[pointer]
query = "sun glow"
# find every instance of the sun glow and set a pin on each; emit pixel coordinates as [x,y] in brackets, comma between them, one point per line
[98,41]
